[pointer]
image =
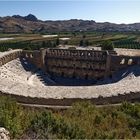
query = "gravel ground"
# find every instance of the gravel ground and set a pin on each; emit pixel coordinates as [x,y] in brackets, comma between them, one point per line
[18,78]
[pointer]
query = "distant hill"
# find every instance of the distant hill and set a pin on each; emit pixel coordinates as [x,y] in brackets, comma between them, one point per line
[30,24]
[29,17]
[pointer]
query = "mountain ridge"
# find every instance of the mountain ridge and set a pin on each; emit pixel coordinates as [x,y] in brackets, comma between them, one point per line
[28,17]
[31,24]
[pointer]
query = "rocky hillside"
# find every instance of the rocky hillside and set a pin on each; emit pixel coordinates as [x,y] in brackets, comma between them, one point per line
[30,24]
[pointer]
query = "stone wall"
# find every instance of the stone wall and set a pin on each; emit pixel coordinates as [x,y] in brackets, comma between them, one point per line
[9,56]
[36,57]
[78,62]
[87,64]
[123,61]
[131,97]
[33,57]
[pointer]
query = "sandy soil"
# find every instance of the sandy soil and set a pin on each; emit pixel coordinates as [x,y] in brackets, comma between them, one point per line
[130,52]
[64,38]
[47,36]
[3,39]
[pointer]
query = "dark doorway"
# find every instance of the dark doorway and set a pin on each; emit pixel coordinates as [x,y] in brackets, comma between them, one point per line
[62,74]
[74,76]
[86,76]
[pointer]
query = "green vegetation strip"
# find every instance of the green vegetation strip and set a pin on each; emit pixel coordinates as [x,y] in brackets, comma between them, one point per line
[82,121]
[36,41]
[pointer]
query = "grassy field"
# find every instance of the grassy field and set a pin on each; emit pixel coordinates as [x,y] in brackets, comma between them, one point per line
[37,41]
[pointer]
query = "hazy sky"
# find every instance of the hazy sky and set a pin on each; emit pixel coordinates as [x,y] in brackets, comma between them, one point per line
[117,11]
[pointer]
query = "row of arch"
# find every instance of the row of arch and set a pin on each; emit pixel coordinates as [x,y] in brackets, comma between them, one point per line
[65,62]
[31,54]
[77,53]
[77,73]
[127,61]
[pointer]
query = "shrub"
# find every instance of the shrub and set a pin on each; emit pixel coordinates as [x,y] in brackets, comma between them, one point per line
[107,45]
[47,126]
[102,123]
[83,120]
[13,117]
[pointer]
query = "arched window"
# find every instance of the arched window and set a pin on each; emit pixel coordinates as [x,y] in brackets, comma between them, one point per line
[86,76]
[31,55]
[74,76]
[122,61]
[130,61]
[62,74]
[26,55]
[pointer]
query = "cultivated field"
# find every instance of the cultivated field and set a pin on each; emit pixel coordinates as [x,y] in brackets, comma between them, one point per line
[85,39]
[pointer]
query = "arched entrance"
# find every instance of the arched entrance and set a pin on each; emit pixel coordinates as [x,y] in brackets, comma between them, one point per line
[86,76]
[73,75]
[62,74]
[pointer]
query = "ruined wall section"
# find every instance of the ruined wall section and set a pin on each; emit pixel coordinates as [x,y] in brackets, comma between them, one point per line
[87,64]
[33,57]
[8,56]
[119,62]
[36,57]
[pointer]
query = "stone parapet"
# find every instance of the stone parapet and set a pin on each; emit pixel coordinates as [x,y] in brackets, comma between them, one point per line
[9,56]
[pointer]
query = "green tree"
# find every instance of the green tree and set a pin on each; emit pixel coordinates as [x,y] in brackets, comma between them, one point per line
[81,43]
[43,44]
[104,123]
[86,43]
[49,44]
[84,36]
[57,42]
[48,126]
[107,45]
[54,44]
[65,42]
[74,34]
[13,117]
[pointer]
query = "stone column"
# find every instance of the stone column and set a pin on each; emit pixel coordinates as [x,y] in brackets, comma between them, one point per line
[42,57]
[138,61]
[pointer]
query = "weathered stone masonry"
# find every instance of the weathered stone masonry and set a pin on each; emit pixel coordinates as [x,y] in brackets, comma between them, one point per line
[87,64]
[85,61]
[9,56]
